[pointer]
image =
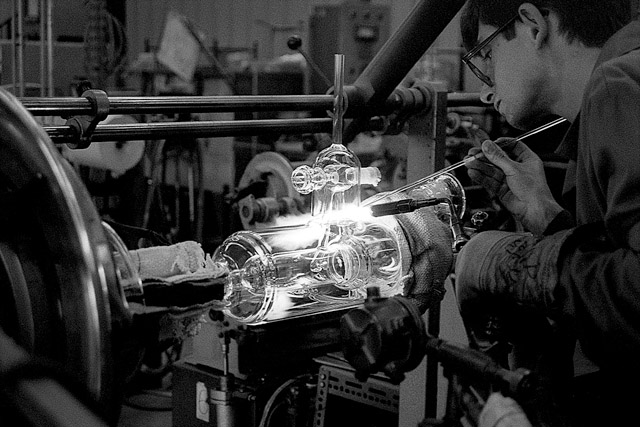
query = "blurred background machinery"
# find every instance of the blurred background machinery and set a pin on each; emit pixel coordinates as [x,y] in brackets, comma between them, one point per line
[357,29]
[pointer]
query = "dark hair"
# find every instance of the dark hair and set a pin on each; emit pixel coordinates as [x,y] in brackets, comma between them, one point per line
[591,22]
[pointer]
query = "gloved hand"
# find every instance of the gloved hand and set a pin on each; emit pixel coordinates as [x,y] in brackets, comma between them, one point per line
[425,245]
[517,179]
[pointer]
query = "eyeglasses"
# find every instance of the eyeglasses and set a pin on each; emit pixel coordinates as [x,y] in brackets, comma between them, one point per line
[470,57]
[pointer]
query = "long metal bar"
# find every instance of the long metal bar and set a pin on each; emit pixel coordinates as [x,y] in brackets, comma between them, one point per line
[67,106]
[14,66]
[174,104]
[43,47]
[71,106]
[19,43]
[123,132]
[49,18]
[398,56]
[401,52]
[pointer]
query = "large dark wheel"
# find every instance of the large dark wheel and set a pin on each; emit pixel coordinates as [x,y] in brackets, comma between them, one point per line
[59,296]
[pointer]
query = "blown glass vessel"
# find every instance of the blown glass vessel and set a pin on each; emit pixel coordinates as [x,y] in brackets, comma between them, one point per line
[287,272]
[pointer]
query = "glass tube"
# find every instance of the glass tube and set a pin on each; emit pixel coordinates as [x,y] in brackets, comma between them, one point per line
[289,272]
[444,186]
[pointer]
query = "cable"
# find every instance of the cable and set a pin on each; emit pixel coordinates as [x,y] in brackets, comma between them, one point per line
[275,408]
[266,414]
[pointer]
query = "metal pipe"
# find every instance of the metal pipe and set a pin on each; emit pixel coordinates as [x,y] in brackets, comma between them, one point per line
[43,42]
[174,104]
[14,66]
[123,132]
[50,87]
[66,106]
[203,129]
[18,42]
[403,50]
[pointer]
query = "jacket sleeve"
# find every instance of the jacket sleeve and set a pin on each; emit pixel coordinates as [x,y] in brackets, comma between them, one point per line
[601,292]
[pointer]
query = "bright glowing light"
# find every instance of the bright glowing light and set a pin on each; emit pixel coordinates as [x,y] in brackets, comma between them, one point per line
[295,238]
[350,212]
[290,220]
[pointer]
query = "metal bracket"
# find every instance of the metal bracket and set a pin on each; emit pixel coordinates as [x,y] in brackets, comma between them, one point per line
[84,126]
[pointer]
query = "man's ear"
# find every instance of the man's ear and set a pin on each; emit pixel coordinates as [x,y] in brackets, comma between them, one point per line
[535,22]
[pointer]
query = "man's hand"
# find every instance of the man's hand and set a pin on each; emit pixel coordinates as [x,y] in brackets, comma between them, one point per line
[517,179]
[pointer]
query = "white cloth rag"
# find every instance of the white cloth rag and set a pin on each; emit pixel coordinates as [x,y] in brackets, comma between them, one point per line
[176,263]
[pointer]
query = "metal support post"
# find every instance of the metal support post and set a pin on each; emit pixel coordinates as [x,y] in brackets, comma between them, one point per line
[426,154]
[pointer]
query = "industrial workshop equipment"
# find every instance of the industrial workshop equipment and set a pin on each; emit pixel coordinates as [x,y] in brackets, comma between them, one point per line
[327,262]
[67,287]
[389,335]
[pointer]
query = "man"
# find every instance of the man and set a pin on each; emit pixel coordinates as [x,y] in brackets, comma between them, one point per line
[574,276]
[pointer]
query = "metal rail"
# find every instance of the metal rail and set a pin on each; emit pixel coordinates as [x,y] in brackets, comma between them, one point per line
[124,132]
[68,107]
[175,104]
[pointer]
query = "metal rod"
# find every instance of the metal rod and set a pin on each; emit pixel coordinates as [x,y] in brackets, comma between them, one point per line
[456,165]
[173,104]
[43,46]
[70,106]
[405,47]
[20,47]
[398,56]
[14,52]
[311,62]
[123,132]
[50,86]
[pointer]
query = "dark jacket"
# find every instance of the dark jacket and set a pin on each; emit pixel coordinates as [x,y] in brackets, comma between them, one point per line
[600,265]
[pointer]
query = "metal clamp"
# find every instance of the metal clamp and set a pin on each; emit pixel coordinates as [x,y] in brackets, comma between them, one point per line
[85,125]
[410,101]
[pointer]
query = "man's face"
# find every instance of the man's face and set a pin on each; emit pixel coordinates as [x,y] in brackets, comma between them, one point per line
[518,90]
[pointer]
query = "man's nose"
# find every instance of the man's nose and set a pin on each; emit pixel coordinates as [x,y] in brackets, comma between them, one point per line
[487,94]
